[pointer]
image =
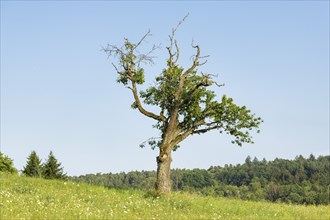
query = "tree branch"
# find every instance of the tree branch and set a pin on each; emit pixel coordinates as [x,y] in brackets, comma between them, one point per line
[121,73]
[142,39]
[183,76]
[177,53]
[183,136]
[174,42]
[140,107]
[195,62]
[146,58]
[204,130]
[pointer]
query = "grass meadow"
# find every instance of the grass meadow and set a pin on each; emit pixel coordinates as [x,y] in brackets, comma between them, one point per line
[33,198]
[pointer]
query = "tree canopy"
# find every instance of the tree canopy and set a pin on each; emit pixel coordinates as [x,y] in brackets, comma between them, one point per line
[181,95]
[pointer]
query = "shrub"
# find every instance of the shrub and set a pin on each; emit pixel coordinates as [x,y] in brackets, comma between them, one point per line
[6,164]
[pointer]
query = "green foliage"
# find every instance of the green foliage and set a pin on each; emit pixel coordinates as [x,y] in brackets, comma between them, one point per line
[52,169]
[33,167]
[35,198]
[139,76]
[198,111]
[182,96]
[6,164]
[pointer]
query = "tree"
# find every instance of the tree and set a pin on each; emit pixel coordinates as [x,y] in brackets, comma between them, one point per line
[186,106]
[248,161]
[33,166]
[52,169]
[6,164]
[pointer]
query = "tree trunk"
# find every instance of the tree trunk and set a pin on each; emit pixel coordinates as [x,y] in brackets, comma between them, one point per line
[163,184]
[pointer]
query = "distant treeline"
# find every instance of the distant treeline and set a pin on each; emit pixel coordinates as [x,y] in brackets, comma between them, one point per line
[299,181]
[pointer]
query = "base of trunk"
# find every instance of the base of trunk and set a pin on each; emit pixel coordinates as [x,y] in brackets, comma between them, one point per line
[163,184]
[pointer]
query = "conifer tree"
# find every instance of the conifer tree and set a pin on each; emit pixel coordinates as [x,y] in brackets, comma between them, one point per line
[33,166]
[52,169]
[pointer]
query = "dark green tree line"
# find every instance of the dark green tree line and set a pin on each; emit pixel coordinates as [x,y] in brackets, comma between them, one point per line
[299,181]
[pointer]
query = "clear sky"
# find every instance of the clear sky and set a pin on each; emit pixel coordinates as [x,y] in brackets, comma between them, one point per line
[59,90]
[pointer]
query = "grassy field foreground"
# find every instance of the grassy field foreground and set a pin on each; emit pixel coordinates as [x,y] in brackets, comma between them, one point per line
[31,198]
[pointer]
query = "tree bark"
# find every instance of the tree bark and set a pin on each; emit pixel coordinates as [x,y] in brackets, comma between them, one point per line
[163,184]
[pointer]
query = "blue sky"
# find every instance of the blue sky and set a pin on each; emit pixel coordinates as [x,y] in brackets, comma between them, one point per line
[58,89]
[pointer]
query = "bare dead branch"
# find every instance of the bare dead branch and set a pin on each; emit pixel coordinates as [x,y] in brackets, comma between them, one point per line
[146,58]
[115,68]
[177,54]
[195,62]
[180,22]
[113,50]
[174,42]
[142,39]
[201,64]
[203,57]
[219,85]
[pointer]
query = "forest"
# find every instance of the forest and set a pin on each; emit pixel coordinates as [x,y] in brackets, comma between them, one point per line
[299,181]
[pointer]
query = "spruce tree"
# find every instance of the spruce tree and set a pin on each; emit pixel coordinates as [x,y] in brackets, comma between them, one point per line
[33,166]
[52,169]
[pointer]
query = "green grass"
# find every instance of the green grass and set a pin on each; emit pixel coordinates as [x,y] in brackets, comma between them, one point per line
[31,198]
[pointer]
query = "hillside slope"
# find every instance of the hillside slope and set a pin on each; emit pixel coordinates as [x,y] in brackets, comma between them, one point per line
[30,198]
